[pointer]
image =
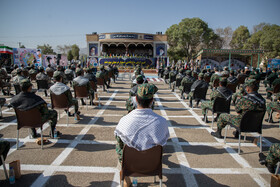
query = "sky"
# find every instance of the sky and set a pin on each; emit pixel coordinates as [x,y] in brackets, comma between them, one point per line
[66,22]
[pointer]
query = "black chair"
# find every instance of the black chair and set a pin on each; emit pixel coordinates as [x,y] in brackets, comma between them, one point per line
[251,122]
[69,78]
[221,105]
[43,85]
[178,82]
[17,88]
[232,87]
[199,94]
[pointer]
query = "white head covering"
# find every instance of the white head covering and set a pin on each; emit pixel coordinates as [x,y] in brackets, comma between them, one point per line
[59,88]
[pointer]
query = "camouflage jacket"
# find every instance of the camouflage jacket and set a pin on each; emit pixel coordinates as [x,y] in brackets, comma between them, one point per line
[253,101]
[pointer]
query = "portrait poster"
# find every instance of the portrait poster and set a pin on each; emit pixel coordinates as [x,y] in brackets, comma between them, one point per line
[92,62]
[160,50]
[24,57]
[93,49]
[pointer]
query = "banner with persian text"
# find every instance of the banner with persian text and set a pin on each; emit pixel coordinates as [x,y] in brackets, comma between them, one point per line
[144,62]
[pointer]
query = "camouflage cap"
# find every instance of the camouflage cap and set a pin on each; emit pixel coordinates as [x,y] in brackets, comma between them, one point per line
[25,83]
[56,74]
[146,91]
[201,75]
[139,78]
[251,82]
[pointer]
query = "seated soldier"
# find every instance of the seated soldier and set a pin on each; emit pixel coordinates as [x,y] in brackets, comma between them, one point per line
[131,103]
[252,101]
[2,102]
[4,79]
[172,78]
[214,76]
[69,74]
[32,70]
[27,100]
[42,76]
[232,79]
[141,129]
[80,80]
[49,69]
[18,78]
[60,88]
[270,107]
[269,80]
[101,74]
[166,74]
[272,158]
[187,79]
[269,91]
[200,83]
[222,91]
[116,72]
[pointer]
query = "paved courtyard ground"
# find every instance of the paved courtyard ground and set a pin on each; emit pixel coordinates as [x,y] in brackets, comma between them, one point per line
[85,153]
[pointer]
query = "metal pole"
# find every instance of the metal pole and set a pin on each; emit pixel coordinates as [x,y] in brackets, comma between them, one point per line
[251,60]
[229,61]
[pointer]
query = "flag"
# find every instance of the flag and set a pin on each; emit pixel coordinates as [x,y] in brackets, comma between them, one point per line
[5,49]
[157,64]
[167,61]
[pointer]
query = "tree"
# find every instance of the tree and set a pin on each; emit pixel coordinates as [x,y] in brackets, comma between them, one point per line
[21,46]
[270,40]
[239,37]
[225,35]
[63,49]
[69,55]
[46,49]
[254,41]
[259,27]
[188,37]
[75,51]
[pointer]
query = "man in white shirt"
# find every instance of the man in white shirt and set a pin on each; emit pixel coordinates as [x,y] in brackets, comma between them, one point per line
[142,129]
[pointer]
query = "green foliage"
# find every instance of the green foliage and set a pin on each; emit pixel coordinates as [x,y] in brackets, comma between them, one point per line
[75,51]
[69,55]
[63,49]
[225,36]
[239,37]
[46,49]
[21,46]
[188,37]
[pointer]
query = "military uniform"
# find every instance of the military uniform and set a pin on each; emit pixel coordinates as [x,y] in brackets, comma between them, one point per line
[195,85]
[274,84]
[249,102]
[29,100]
[172,79]
[101,74]
[17,79]
[273,156]
[213,78]
[270,78]
[187,79]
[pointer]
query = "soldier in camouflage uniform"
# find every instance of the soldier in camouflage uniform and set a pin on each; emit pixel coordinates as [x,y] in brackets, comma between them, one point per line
[166,74]
[18,78]
[271,78]
[274,84]
[187,79]
[4,79]
[14,72]
[32,70]
[214,76]
[27,100]
[4,149]
[200,83]
[172,78]
[145,92]
[252,101]
[272,158]
[80,80]
[273,105]
[101,74]
[42,76]
[179,77]
[222,91]
[60,88]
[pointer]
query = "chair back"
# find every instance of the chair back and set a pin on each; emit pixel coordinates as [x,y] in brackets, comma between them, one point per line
[93,85]
[142,163]
[207,79]
[276,89]
[252,121]
[187,87]
[178,81]
[100,81]
[50,74]
[42,84]
[200,93]
[69,77]
[195,75]
[221,105]
[17,88]
[241,80]
[59,101]
[30,118]
[32,76]
[81,91]
[110,74]
[25,73]
[216,83]
[232,87]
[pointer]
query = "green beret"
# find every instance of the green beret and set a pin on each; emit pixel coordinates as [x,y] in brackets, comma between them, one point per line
[79,70]
[201,75]
[56,74]
[25,83]
[139,78]
[146,91]
[189,72]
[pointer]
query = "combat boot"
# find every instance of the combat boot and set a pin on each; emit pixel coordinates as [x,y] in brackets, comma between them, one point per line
[218,133]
